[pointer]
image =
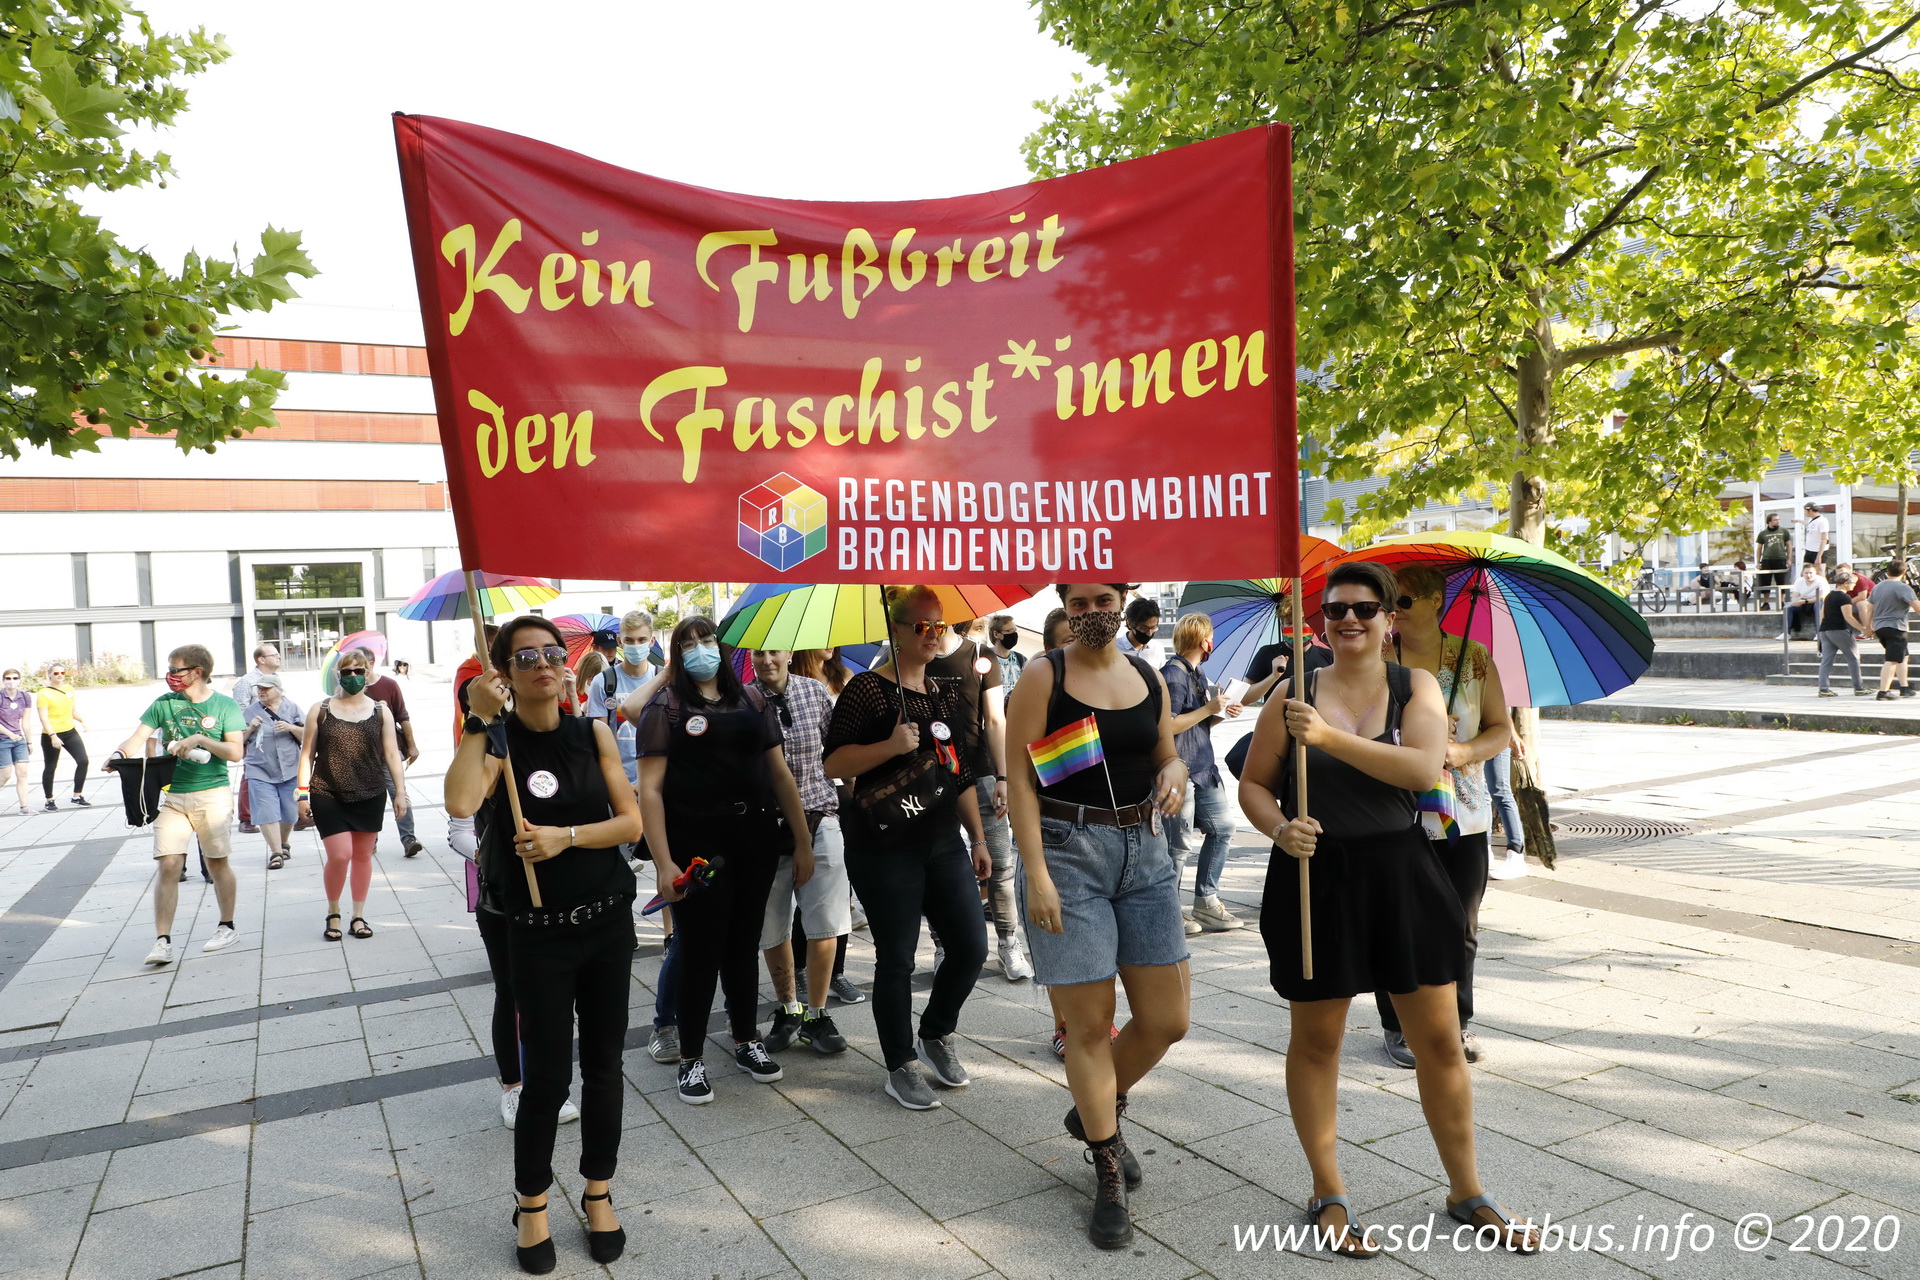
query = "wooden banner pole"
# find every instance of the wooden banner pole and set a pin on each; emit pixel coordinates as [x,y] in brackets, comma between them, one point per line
[506,760]
[1300,783]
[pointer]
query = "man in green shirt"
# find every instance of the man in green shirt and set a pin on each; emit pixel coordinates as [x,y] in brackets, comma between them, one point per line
[1775,546]
[204,732]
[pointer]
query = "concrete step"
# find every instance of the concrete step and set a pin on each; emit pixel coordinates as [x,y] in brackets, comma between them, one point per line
[1838,679]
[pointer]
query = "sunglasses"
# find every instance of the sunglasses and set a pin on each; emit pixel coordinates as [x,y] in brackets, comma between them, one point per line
[527,659]
[934,629]
[1365,610]
[172,671]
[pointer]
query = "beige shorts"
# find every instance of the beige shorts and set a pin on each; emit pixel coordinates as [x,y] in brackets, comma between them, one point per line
[185,815]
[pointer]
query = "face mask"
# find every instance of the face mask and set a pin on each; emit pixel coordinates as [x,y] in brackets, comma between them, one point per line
[179,683]
[634,654]
[1008,640]
[1094,630]
[1141,639]
[702,661]
[353,682]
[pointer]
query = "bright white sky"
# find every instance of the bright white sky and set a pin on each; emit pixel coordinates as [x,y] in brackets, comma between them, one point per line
[849,99]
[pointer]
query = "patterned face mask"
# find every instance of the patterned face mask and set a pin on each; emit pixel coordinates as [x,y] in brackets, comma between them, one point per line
[1094,630]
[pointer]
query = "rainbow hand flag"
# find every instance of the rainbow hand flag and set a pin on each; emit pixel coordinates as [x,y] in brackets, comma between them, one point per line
[1066,751]
[1443,802]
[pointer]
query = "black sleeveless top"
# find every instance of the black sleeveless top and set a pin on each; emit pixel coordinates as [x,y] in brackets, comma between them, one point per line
[716,752]
[558,775]
[1128,736]
[1349,803]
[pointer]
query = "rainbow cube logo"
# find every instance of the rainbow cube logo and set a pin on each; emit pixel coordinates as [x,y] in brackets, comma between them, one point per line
[783,522]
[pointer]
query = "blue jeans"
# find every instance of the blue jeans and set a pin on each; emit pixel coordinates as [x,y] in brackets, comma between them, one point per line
[1212,816]
[405,824]
[1499,771]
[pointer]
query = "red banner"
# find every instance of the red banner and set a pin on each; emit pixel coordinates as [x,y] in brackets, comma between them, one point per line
[1087,376]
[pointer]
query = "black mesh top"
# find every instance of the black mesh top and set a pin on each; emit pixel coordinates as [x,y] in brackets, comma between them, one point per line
[870,706]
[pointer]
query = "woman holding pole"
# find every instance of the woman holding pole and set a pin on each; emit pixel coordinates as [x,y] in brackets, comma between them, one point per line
[1384,916]
[1099,888]
[569,950]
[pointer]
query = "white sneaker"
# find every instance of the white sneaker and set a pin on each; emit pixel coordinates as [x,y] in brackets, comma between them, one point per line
[1212,915]
[1014,965]
[1510,866]
[222,938]
[568,1112]
[1192,926]
[510,1106]
[162,952]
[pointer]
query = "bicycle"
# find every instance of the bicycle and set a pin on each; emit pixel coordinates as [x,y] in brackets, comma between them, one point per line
[1648,595]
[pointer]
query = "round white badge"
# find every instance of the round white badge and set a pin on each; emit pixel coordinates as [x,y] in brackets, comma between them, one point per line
[543,784]
[696,725]
[208,722]
[983,665]
[940,730]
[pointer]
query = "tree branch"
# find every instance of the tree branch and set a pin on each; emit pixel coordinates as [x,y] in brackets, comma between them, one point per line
[1607,219]
[1398,18]
[1615,347]
[1839,64]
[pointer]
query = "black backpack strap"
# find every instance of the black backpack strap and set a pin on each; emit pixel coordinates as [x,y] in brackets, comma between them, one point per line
[1057,659]
[1399,694]
[609,691]
[1152,678]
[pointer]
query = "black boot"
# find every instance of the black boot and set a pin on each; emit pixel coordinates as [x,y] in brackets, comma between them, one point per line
[1111,1226]
[1128,1162]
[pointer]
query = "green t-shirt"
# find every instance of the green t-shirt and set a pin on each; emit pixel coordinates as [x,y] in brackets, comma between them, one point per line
[174,717]
[1775,545]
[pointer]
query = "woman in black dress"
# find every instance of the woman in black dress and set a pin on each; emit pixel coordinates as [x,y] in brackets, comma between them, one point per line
[351,745]
[916,864]
[715,785]
[571,955]
[1385,917]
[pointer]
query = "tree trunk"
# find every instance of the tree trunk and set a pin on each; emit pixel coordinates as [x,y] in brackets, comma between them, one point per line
[1527,521]
[1900,521]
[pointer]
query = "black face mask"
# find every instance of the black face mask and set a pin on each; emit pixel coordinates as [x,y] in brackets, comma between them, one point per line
[1140,638]
[1008,640]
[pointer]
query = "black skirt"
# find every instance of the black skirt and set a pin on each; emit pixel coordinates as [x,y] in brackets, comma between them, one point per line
[1385,918]
[331,816]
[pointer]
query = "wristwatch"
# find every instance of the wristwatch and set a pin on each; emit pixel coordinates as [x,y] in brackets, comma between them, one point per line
[473,724]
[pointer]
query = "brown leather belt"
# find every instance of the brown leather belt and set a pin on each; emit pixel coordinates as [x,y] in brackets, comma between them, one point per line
[1131,815]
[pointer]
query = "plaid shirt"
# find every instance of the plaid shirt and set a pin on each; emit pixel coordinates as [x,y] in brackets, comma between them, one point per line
[1187,690]
[804,710]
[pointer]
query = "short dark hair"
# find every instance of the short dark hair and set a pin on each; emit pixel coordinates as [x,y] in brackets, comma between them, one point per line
[500,649]
[1139,610]
[1054,619]
[1376,578]
[193,655]
[1121,587]
[685,687]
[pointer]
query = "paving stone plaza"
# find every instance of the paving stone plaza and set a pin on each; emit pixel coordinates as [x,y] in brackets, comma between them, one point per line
[1710,1010]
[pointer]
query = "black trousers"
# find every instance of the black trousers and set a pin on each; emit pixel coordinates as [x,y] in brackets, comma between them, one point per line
[506,1025]
[1465,862]
[561,973]
[898,884]
[716,930]
[50,745]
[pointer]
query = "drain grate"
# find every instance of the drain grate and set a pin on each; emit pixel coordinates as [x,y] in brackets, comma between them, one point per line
[1579,833]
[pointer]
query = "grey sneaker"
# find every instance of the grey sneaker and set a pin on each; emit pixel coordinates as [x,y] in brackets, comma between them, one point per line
[1397,1052]
[1213,916]
[1470,1043]
[906,1086]
[664,1046]
[942,1061]
[1828,693]
[843,990]
[780,1037]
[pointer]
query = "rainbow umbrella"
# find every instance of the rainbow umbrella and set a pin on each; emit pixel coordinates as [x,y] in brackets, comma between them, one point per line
[1250,613]
[1558,634]
[780,616]
[446,596]
[373,640]
[578,629]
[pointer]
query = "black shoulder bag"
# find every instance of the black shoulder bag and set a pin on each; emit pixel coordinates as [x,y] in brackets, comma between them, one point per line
[902,792]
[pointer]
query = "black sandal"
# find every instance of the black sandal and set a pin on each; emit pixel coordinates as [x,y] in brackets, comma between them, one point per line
[277,859]
[1516,1237]
[359,928]
[332,933]
[1352,1239]
[535,1259]
[604,1246]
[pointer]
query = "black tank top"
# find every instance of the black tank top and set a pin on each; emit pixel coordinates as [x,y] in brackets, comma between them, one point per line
[1128,736]
[557,773]
[1349,803]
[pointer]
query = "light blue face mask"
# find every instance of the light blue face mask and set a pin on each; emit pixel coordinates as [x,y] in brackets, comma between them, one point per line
[634,654]
[701,661]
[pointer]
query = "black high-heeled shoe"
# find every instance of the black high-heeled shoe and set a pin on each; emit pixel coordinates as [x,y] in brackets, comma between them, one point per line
[604,1246]
[535,1259]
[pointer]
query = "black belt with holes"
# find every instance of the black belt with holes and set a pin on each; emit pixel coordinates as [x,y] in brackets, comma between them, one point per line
[585,913]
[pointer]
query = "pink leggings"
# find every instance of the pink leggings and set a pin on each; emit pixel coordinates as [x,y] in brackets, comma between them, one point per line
[344,849]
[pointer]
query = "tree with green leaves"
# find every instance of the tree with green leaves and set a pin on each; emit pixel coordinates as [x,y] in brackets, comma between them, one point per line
[96,337]
[1589,257]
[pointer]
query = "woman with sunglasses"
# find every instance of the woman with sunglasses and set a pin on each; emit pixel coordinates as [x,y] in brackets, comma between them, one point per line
[1098,884]
[60,726]
[18,723]
[1385,917]
[571,956]
[1479,728]
[713,783]
[915,866]
[350,747]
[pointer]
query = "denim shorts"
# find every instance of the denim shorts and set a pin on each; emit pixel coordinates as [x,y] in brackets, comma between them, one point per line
[1119,903]
[12,751]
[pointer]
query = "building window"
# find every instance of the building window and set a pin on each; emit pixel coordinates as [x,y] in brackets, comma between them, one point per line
[307,581]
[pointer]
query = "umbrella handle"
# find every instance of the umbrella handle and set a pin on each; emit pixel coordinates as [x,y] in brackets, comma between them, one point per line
[1297,679]
[506,760]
